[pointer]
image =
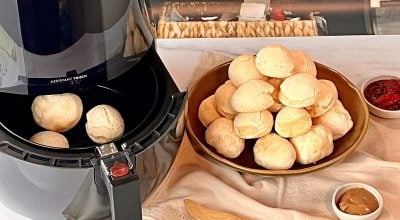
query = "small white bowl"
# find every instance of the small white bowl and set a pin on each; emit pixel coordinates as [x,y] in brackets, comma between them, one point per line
[376,110]
[344,216]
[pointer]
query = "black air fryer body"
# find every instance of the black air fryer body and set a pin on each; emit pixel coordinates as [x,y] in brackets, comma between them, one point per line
[103,51]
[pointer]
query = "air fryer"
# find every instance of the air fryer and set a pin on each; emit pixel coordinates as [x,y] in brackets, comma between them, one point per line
[103,51]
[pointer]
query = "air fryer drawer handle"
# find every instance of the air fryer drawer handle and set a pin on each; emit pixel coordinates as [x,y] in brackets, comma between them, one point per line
[125,199]
[117,172]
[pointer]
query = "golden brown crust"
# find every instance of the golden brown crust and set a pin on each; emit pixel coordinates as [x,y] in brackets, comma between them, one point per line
[208,111]
[275,61]
[50,138]
[337,119]
[303,63]
[274,152]
[223,99]
[299,90]
[327,96]
[221,135]
[275,82]
[58,112]
[314,145]
[104,124]
[252,96]
[242,69]
[291,122]
[249,125]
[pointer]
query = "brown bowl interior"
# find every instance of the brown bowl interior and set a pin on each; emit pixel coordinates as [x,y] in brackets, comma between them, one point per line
[211,80]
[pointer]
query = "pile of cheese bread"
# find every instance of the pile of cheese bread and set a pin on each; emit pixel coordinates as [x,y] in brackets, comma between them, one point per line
[275,98]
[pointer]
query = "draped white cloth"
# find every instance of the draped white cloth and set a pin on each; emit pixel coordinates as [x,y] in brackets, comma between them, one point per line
[375,162]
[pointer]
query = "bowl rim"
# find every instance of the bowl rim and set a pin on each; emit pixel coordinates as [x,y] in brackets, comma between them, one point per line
[352,185]
[267,172]
[371,80]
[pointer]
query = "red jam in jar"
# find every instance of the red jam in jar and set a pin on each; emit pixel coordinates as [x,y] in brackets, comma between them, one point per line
[384,94]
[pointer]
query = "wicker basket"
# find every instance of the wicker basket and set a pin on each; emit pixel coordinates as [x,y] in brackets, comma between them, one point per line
[224,29]
[218,29]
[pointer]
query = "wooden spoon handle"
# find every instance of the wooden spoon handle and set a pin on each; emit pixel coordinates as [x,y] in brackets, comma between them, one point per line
[200,212]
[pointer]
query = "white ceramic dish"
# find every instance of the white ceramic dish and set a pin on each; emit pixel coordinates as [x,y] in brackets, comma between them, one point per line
[344,216]
[375,110]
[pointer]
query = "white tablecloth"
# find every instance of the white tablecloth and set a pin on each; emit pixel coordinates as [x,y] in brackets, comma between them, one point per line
[376,161]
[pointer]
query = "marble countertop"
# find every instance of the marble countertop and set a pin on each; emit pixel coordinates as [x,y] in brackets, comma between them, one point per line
[356,57]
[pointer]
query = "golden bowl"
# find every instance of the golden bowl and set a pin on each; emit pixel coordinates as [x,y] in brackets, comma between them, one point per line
[349,95]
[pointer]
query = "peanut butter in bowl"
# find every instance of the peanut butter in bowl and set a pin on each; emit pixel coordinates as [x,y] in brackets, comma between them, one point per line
[357,201]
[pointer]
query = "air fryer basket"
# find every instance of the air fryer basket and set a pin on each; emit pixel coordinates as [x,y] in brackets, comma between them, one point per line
[141,95]
[134,94]
[150,103]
